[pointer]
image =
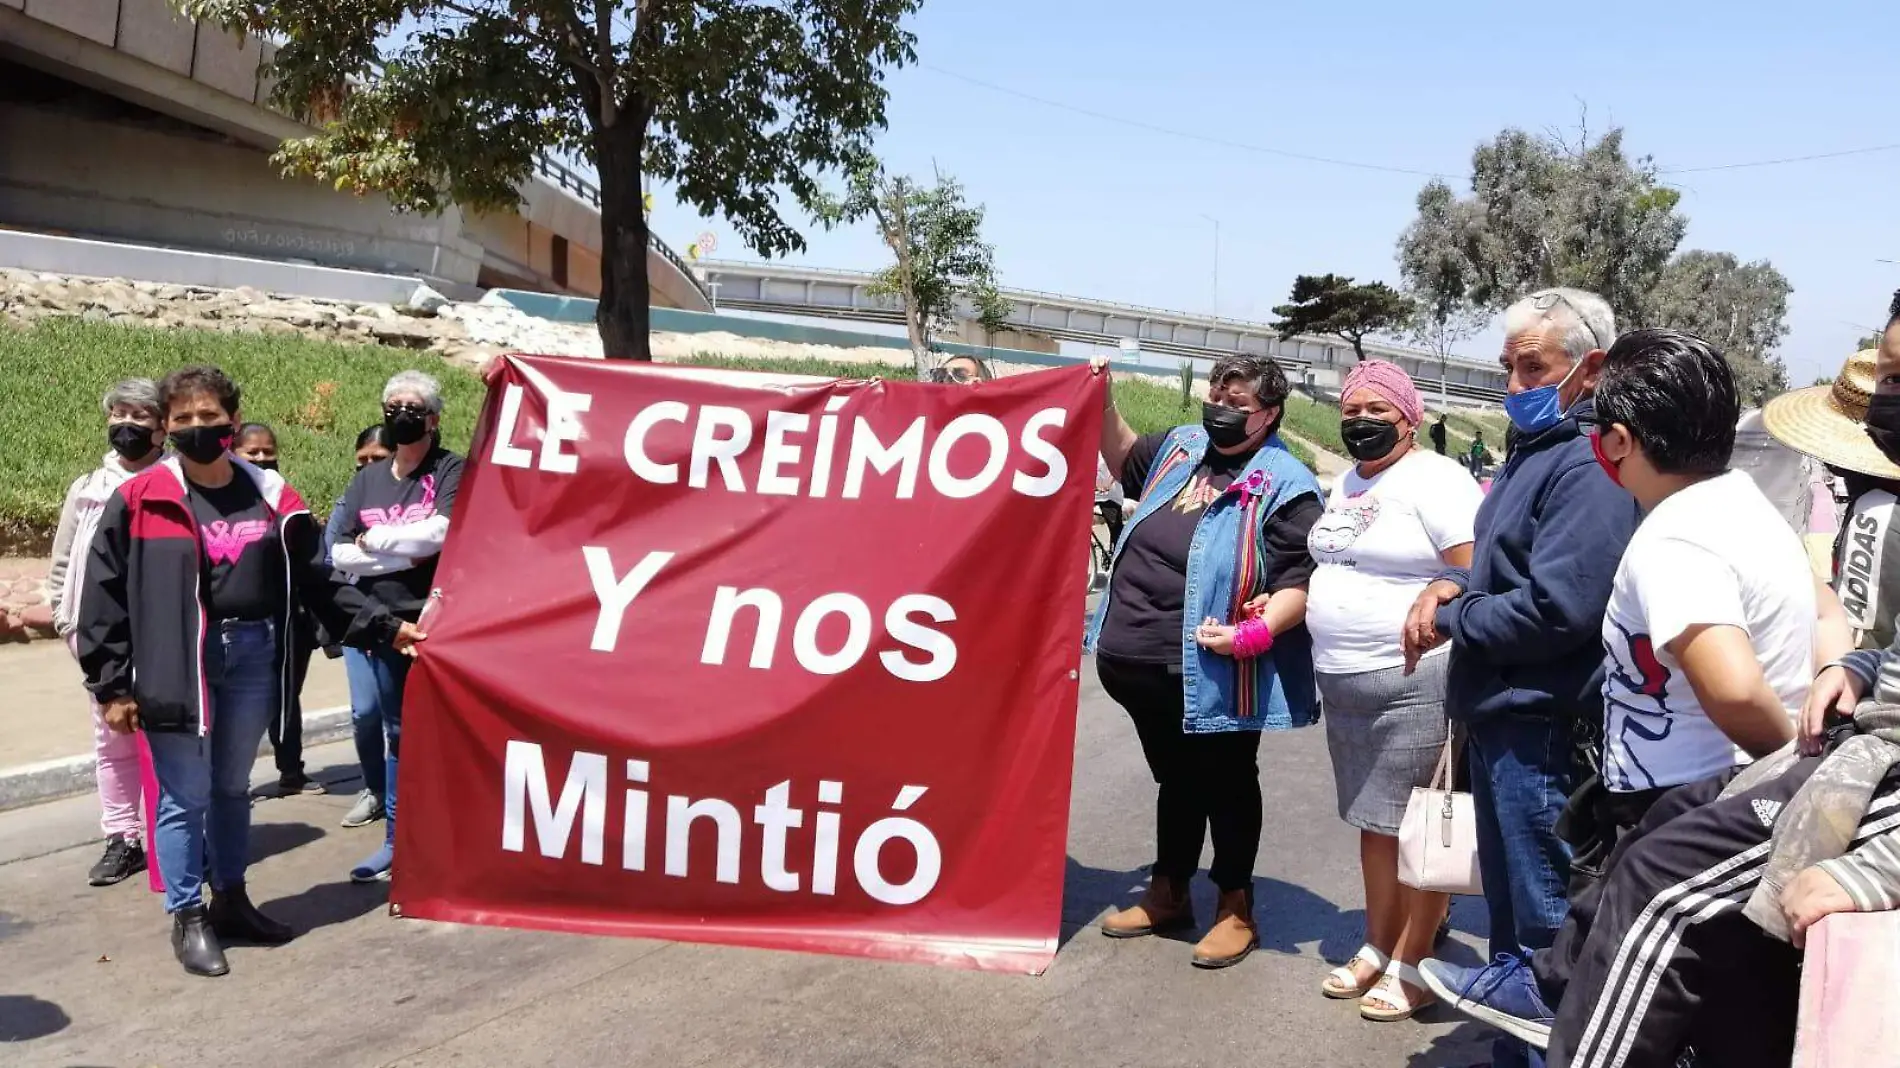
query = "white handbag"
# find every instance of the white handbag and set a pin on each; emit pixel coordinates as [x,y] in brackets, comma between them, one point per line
[1438,836]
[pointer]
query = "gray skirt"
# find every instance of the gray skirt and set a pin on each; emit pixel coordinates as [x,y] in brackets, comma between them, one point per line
[1385,730]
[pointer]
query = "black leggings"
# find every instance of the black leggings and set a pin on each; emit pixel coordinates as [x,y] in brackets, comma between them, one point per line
[1207,781]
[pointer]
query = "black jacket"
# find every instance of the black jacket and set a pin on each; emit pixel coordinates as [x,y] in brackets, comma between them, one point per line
[142,620]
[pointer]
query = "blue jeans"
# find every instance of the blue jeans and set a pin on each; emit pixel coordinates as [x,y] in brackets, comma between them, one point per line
[1520,778]
[204,783]
[366,719]
[383,672]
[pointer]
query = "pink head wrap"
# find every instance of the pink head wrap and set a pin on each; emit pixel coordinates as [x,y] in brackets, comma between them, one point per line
[1389,382]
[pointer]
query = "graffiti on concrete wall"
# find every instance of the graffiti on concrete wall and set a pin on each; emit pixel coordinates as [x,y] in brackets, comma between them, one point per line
[253,237]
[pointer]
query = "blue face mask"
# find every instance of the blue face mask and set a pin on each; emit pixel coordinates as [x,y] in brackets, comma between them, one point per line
[1536,410]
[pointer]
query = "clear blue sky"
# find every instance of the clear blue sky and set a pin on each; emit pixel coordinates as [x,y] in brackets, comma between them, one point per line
[1084,206]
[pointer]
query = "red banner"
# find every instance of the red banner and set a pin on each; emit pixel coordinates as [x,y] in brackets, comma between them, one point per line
[765,660]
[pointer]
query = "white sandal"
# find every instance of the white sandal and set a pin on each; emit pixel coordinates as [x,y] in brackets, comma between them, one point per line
[1387,1001]
[1340,984]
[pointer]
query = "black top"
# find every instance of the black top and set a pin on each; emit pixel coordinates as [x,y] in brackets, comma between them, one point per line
[376,497]
[242,551]
[1150,581]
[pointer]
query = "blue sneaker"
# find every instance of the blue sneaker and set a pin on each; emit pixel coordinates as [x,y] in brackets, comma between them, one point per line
[376,868]
[1503,994]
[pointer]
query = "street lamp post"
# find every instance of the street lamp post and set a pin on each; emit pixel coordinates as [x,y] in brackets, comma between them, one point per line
[1216,223]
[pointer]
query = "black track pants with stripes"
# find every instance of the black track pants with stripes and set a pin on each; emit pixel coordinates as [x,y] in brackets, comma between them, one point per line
[1667,962]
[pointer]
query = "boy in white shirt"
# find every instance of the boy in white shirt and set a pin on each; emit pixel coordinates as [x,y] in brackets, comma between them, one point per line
[1715,628]
[1710,636]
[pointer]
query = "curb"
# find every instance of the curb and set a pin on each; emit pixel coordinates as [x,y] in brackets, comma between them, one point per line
[30,784]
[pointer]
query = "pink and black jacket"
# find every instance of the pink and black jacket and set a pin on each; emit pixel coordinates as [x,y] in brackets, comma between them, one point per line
[142,621]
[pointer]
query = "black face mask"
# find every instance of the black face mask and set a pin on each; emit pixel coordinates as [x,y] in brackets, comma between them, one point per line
[1883,424]
[264,465]
[203,444]
[406,427]
[1226,427]
[1369,439]
[130,440]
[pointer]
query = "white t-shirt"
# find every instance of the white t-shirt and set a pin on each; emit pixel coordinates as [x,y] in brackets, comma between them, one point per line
[1717,554]
[1378,546]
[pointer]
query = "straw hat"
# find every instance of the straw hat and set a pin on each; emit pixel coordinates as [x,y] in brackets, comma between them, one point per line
[1825,421]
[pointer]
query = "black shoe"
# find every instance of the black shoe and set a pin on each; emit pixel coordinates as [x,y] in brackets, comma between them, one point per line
[235,918]
[123,859]
[195,944]
[290,784]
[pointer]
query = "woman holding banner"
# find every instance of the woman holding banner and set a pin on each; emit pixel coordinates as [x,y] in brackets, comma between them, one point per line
[1200,635]
[393,520]
[1400,516]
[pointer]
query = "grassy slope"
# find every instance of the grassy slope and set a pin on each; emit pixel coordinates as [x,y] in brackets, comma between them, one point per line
[317,395]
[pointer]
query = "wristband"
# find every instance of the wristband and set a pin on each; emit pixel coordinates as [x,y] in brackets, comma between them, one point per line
[1251,639]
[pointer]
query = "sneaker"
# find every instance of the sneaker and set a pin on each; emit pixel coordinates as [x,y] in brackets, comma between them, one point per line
[367,810]
[1503,994]
[123,859]
[376,868]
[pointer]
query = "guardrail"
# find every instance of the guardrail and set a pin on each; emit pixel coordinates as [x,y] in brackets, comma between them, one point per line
[1125,310]
[565,177]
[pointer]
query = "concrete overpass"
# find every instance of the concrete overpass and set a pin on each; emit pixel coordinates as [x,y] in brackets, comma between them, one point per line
[848,295]
[120,119]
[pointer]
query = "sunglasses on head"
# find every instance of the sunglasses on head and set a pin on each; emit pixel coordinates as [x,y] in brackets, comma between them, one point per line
[1547,301]
[960,376]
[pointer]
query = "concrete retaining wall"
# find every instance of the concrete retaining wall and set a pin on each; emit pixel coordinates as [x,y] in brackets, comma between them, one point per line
[127,182]
[104,259]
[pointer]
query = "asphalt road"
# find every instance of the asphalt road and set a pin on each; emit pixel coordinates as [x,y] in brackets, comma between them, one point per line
[86,976]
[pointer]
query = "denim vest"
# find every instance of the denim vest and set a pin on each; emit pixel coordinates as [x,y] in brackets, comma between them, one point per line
[1272,692]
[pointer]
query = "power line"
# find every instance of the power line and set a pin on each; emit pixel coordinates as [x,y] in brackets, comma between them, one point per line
[1122,120]
[1778,162]
[1183,134]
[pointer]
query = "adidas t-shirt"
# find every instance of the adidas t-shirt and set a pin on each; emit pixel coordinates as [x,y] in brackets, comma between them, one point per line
[1718,554]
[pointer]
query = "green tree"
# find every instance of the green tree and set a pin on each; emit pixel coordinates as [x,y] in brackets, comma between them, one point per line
[735,103]
[936,243]
[1334,304]
[1871,341]
[1544,213]
[1439,276]
[1741,307]
[1439,325]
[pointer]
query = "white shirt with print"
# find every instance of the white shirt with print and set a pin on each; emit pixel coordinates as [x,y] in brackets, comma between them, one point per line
[1714,554]
[1378,546]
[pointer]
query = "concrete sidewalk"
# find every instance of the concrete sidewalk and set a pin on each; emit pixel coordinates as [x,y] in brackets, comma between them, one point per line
[46,723]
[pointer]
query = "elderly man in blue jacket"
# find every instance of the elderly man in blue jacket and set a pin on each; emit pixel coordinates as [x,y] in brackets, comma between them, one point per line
[1525,621]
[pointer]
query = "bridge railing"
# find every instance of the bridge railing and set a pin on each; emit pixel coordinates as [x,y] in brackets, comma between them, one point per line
[567,178]
[1116,308]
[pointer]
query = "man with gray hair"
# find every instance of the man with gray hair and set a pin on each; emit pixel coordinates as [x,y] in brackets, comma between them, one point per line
[392,523]
[136,433]
[1525,622]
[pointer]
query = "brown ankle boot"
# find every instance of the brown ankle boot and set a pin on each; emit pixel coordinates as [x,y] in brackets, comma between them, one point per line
[1164,907]
[1233,935]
